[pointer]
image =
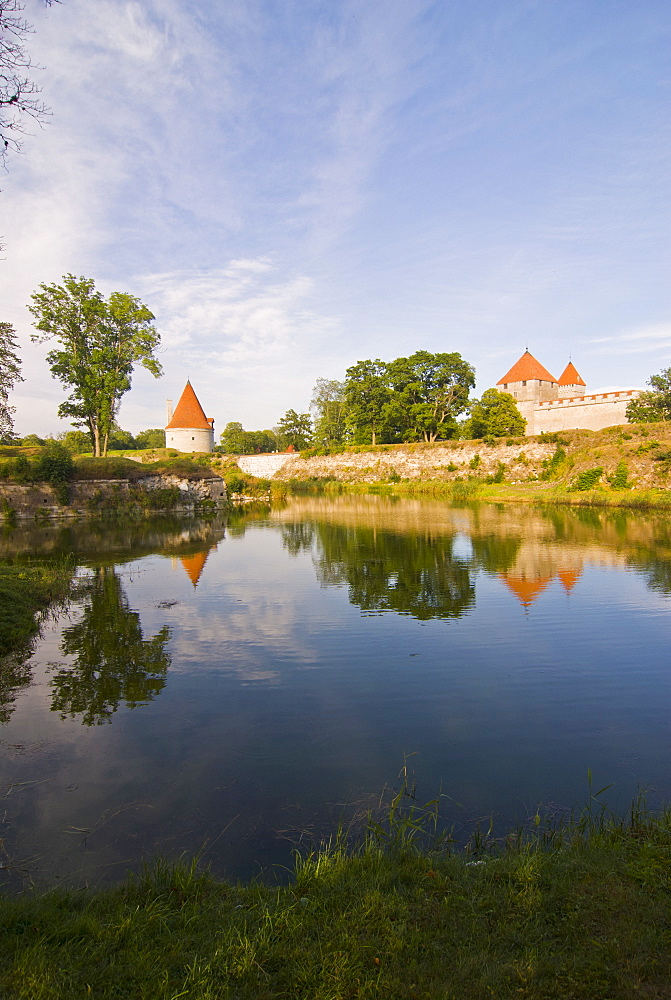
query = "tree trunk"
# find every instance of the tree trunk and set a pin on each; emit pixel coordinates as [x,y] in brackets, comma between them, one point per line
[372,431]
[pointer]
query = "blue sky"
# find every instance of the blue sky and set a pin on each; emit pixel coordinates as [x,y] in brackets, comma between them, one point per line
[295,185]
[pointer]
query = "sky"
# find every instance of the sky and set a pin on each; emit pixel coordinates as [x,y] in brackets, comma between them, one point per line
[292,186]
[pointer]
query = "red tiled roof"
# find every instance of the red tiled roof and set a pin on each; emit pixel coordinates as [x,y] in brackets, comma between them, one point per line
[527,368]
[570,376]
[568,578]
[188,412]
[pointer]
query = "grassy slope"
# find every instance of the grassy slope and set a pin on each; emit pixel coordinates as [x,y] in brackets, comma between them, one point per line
[26,589]
[588,919]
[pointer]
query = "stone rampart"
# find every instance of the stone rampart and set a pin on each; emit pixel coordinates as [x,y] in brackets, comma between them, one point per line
[29,500]
[267,466]
[592,412]
[436,461]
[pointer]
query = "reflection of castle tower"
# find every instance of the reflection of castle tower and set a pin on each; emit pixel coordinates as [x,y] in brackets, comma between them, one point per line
[194,565]
[528,586]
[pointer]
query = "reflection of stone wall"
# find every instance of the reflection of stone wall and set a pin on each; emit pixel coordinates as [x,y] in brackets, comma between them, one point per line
[31,499]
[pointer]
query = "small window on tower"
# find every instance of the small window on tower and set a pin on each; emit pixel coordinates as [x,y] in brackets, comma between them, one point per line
[524,383]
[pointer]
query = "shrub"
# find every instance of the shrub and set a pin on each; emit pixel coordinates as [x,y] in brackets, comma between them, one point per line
[475,462]
[55,464]
[588,479]
[620,478]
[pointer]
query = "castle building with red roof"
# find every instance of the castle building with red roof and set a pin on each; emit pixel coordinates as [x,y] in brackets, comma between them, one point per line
[549,404]
[188,429]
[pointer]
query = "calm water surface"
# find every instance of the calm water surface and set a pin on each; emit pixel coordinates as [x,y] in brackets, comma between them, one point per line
[228,685]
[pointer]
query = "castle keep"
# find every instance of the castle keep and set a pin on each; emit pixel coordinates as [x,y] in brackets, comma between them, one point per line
[550,404]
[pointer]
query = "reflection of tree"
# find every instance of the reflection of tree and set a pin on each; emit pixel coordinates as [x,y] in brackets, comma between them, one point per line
[388,571]
[495,553]
[298,537]
[15,674]
[113,662]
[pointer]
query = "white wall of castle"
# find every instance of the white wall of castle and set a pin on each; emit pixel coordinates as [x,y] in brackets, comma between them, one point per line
[590,412]
[190,439]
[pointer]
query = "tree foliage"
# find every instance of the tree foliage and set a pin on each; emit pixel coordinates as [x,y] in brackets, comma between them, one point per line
[367,394]
[294,430]
[10,374]
[101,342]
[329,409]
[408,399]
[654,404]
[235,440]
[495,414]
[19,94]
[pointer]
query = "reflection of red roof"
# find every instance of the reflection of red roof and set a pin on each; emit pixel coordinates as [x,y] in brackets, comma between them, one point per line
[194,565]
[569,578]
[527,368]
[570,376]
[188,412]
[525,590]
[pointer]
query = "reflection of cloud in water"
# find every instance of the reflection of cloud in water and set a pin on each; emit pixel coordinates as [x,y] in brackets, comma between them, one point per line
[247,634]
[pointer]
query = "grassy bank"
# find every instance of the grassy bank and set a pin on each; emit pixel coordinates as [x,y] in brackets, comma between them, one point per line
[580,913]
[27,589]
[467,491]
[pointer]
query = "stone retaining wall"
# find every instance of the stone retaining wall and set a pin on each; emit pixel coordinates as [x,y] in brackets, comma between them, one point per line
[38,499]
[422,462]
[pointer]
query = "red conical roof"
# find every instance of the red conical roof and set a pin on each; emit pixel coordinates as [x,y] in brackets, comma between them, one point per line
[525,590]
[188,412]
[527,368]
[570,376]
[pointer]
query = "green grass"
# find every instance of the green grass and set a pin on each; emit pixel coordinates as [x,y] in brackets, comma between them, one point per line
[26,590]
[114,467]
[579,910]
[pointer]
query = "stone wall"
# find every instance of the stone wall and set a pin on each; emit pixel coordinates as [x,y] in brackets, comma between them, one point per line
[267,466]
[422,462]
[31,500]
[592,413]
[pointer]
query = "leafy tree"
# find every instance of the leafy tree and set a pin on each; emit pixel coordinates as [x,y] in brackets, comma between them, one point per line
[654,404]
[237,441]
[77,442]
[329,408]
[35,441]
[154,437]
[429,391]
[10,374]
[101,342]
[495,414]
[367,393]
[112,661]
[295,430]
[120,440]
[19,100]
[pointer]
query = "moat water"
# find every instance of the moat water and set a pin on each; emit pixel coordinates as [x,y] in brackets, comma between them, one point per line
[235,686]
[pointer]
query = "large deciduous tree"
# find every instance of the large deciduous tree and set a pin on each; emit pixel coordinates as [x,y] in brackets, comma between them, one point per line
[10,374]
[329,408]
[654,404]
[295,430]
[101,341]
[367,394]
[495,414]
[429,392]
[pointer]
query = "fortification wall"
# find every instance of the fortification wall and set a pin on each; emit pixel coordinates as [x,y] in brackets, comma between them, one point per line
[592,413]
[266,466]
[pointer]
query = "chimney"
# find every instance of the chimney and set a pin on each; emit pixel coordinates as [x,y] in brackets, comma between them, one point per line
[168,403]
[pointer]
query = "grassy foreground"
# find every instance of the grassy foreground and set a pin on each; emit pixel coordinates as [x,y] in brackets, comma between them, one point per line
[585,913]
